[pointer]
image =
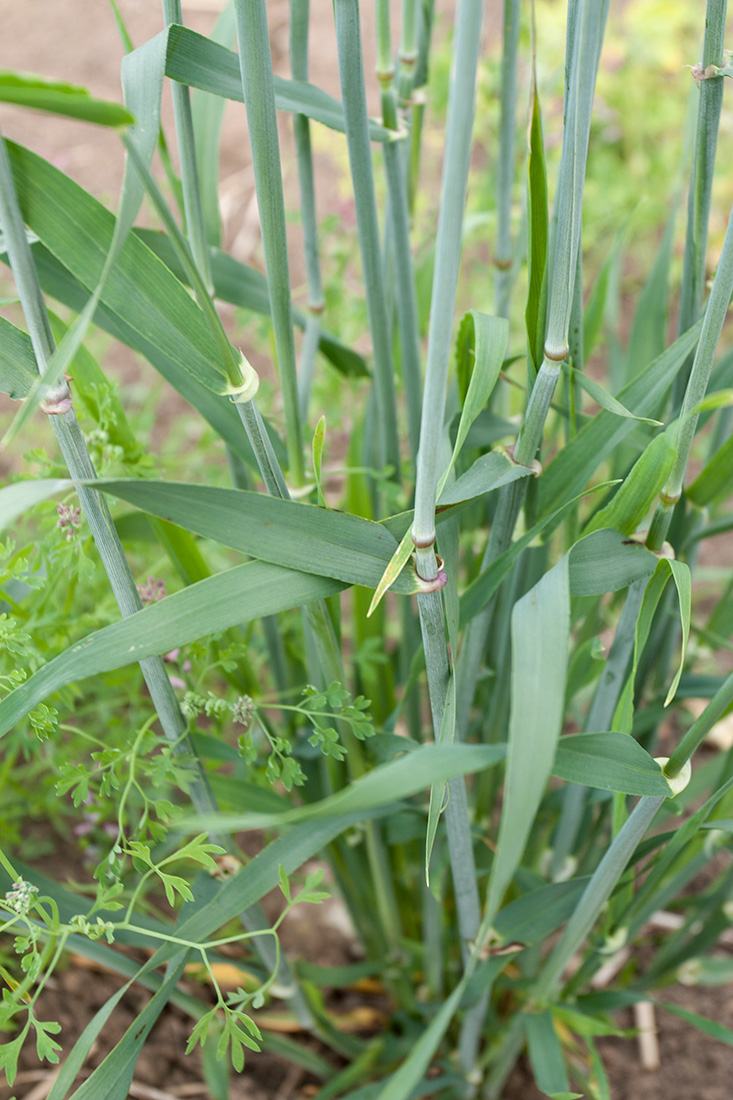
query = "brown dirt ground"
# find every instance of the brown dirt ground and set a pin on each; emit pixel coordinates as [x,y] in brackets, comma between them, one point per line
[77,40]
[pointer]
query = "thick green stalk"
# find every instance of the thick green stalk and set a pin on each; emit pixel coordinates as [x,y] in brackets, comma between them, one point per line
[710,102]
[456,163]
[73,447]
[697,384]
[255,64]
[299,13]
[195,230]
[505,163]
[385,66]
[351,74]
[445,280]
[460,846]
[408,52]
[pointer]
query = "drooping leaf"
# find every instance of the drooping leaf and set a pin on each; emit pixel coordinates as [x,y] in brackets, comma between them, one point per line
[241,285]
[60,98]
[400,778]
[609,761]
[246,592]
[197,61]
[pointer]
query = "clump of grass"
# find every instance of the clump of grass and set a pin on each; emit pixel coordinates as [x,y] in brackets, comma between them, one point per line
[421,748]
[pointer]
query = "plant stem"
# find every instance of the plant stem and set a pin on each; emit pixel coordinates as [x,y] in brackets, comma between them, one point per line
[700,728]
[299,13]
[351,74]
[195,230]
[505,163]
[255,64]
[702,366]
[702,168]
[445,280]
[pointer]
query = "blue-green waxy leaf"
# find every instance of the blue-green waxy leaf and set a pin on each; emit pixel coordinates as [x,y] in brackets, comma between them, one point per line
[680,574]
[545,1055]
[241,285]
[113,1077]
[605,561]
[408,774]
[608,401]
[201,63]
[18,369]
[296,535]
[140,290]
[536,914]
[640,489]
[59,98]
[237,596]
[142,81]
[540,628]
[609,761]
[488,472]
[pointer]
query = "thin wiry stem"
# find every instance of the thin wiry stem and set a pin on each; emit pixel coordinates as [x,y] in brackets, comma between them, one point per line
[257,84]
[195,230]
[697,384]
[505,163]
[351,75]
[299,13]
[710,91]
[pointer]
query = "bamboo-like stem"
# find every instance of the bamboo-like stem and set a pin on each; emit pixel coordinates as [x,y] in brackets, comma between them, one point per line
[445,280]
[456,163]
[257,84]
[709,106]
[195,230]
[505,163]
[702,366]
[299,15]
[385,65]
[408,53]
[106,539]
[351,75]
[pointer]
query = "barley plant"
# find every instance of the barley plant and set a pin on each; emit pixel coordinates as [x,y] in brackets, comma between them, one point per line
[461,666]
